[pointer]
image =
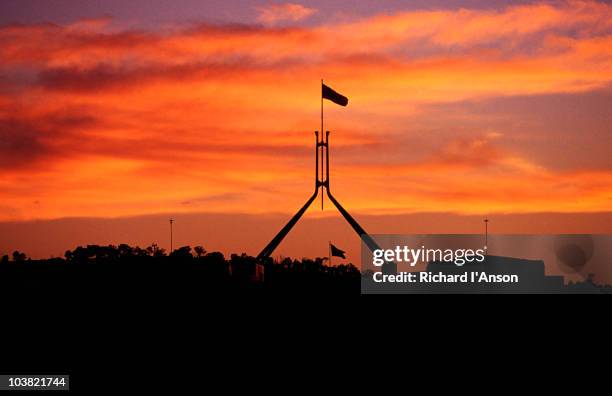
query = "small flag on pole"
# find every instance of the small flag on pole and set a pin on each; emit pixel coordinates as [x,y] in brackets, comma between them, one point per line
[336,252]
[330,94]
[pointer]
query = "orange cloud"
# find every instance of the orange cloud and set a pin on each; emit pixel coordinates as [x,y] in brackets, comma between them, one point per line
[102,122]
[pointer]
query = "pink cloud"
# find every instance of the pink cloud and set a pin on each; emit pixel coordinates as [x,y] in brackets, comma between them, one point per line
[275,13]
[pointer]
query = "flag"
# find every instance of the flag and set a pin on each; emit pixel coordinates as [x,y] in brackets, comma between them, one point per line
[336,252]
[334,96]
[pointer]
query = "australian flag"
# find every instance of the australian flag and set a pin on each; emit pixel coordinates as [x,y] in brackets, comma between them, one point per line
[336,252]
[330,94]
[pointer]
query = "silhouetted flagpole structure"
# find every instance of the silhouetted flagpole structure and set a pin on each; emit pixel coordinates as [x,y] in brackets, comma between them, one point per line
[330,94]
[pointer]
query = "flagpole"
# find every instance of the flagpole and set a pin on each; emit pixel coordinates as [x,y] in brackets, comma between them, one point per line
[330,255]
[322,135]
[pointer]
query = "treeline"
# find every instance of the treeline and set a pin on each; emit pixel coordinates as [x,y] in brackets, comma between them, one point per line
[104,270]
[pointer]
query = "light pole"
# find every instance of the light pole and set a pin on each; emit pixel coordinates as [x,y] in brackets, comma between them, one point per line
[171,221]
[486,221]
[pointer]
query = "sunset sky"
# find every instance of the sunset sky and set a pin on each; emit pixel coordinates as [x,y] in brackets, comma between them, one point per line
[121,109]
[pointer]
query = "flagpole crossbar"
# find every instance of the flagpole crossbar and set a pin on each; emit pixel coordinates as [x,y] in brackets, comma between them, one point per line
[319,183]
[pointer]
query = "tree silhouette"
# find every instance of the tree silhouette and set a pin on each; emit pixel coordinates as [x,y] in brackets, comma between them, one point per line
[19,257]
[155,250]
[124,270]
[199,251]
[182,252]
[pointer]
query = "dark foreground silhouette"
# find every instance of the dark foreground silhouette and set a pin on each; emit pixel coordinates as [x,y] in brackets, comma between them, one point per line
[114,272]
[119,270]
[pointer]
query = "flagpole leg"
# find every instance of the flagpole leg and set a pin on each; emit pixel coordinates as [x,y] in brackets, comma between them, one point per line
[322,147]
[270,247]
